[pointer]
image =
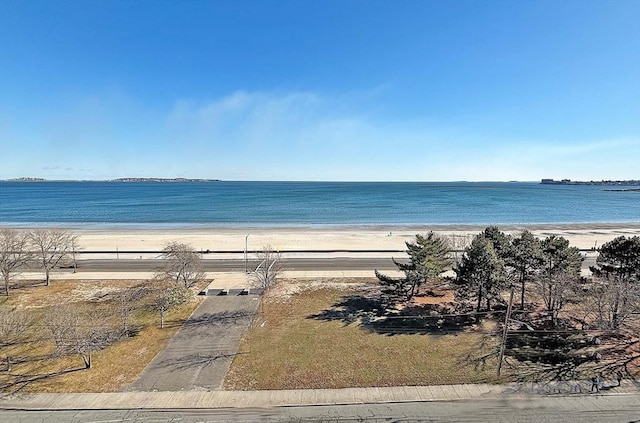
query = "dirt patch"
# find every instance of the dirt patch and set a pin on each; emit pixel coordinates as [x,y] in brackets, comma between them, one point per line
[441,298]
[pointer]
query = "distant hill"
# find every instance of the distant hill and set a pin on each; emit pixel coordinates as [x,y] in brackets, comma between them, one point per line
[162,180]
[26,179]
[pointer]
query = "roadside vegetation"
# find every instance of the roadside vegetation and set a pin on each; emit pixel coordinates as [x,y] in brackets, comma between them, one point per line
[494,307]
[504,308]
[316,334]
[90,336]
[80,336]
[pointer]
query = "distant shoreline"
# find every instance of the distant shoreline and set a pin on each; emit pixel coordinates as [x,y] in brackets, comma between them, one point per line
[630,182]
[27,179]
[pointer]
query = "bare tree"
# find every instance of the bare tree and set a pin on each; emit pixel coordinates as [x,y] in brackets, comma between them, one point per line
[14,323]
[269,268]
[167,294]
[616,288]
[75,247]
[13,254]
[458,243]
[81,332]
[126,301]
[181,264]
[52,246]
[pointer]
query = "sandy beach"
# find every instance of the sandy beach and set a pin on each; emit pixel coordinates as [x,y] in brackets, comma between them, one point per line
[584,236]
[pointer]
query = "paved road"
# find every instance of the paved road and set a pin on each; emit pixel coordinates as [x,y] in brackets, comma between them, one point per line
[199,355]
[230,265]
[623,408]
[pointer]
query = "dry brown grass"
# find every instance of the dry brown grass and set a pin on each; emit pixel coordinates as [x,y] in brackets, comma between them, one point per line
[288,350]
[113,367]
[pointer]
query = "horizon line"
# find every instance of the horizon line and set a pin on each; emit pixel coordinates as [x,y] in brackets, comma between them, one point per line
[193,179]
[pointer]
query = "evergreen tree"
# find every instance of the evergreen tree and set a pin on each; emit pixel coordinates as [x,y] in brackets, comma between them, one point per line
[561,272]
[501,241]
[428,259]
[480,274]
[525,259]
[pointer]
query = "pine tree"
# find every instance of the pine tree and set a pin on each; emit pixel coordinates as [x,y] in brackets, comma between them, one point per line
[525,259]
[428,258]
[481,273]
[558,279]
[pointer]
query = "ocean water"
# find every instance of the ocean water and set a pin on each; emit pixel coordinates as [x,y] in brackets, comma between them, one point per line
[282,204]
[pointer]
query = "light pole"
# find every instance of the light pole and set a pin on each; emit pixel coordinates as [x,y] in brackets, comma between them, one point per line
[505,330]
[246,269]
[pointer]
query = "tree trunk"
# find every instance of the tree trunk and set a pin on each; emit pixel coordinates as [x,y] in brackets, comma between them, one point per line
[479,300]
[522,295]
[615,316]
[87,360]
[46,274]
[161,319]
[6,286]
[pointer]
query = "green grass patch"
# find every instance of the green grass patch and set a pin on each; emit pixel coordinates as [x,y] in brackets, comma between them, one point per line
[286,349]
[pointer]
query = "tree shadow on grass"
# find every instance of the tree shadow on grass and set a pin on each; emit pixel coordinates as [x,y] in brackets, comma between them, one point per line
[374,315]
[22,284]
[351,309]
[424,319]
[21,381]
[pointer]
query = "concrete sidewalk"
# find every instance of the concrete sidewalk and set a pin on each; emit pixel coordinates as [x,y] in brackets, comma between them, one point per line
[199,355]
[220,279]
[302,397]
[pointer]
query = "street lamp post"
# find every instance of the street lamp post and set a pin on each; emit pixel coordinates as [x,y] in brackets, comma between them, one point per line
[246,268]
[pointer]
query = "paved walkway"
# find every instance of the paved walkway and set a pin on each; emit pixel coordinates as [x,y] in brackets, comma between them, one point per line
[220,279]
[260,399]
[198,356]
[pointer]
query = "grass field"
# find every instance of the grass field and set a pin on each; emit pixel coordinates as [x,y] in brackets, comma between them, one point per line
[288,349]
[112,368]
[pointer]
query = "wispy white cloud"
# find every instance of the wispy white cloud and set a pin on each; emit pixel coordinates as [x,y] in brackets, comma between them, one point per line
[309,136]
[300,136]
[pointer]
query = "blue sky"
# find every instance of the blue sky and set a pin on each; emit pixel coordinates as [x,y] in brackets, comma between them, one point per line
[320,90]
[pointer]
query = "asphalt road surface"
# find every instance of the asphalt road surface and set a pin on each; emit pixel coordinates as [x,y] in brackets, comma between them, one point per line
[199,355]
[233,265]
[580,409]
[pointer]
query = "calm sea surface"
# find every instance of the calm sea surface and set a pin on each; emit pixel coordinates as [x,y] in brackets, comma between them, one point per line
[176,204]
